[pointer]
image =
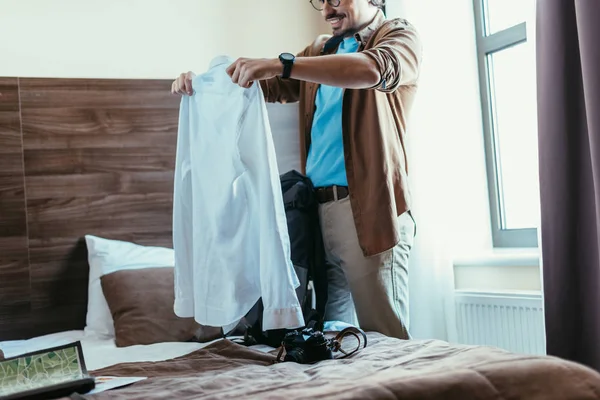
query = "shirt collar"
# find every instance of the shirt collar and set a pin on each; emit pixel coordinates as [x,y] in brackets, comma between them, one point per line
[220,60]
[361,36]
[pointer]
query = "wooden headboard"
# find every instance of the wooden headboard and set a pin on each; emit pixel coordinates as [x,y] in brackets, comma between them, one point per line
[77,157]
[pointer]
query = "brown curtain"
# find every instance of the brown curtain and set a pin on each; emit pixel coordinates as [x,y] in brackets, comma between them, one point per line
[568,66]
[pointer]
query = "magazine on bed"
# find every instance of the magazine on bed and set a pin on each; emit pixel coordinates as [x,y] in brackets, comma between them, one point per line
[55,372]
[51,373]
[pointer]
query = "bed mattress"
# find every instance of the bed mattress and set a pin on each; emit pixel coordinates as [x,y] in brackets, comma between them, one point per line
[387,369]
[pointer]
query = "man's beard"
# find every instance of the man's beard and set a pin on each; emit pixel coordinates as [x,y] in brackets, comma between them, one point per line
[337,31]
[345,33]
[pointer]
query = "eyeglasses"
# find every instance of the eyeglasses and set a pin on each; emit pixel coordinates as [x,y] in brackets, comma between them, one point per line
[318,4]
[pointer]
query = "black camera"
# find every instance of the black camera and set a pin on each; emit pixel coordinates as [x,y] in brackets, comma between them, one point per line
[307,346]
[310,345]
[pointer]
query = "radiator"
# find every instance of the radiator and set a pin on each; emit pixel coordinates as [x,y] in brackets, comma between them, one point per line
[514,322]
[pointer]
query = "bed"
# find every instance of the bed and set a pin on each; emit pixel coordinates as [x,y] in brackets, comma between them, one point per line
[86,170]
[386,369]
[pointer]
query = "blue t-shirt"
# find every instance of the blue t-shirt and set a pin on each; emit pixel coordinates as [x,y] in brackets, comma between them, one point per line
[325,164]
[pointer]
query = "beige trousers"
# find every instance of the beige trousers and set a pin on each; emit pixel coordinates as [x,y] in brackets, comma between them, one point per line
[369,292]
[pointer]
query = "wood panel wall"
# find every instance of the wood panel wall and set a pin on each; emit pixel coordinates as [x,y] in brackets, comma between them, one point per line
[77,157]
[15,291]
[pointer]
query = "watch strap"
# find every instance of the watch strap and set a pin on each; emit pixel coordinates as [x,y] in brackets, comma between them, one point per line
[288,62]
[287,70]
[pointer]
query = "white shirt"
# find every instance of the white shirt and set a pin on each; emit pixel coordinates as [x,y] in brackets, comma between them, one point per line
[229,225]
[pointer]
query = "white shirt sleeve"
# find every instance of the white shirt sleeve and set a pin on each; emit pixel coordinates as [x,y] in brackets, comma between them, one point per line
[278,277]
[182,213]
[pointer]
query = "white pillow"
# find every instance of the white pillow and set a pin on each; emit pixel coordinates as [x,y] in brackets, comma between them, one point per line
[106,256]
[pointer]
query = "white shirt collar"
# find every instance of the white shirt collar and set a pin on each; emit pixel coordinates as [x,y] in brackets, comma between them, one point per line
[220,60]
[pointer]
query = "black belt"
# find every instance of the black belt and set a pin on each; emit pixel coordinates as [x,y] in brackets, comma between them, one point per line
[331,193]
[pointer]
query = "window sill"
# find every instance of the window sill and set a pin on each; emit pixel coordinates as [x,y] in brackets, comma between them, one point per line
[499,271]
[506,293]
[510,257]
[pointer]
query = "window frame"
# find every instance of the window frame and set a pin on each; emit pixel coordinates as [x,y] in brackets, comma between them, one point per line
[486,45]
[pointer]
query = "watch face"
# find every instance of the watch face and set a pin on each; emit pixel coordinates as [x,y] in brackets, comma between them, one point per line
[287,57]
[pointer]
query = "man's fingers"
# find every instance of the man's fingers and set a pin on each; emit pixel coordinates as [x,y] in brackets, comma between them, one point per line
[235,77]
[188,86]
[183,84]
[188,82]
[235,66]
[230,69]
[249,76]
[178,85]
[175,87]
[245,81]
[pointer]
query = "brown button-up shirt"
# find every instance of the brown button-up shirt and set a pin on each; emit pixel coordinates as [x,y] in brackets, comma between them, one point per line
[373,126]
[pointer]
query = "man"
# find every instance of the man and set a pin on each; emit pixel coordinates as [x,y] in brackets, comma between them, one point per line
[355,89]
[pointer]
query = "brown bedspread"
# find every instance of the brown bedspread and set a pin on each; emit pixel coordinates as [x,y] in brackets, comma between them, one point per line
[386,369]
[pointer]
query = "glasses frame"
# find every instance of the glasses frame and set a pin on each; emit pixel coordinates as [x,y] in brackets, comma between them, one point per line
[332,3]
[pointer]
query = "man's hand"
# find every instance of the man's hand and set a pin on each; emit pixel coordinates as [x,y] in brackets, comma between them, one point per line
[183,84]
[244,71]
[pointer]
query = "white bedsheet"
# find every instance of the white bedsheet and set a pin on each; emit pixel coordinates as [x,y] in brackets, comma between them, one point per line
[101,353]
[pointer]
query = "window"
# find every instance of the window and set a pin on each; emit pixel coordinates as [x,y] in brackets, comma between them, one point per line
[508,96]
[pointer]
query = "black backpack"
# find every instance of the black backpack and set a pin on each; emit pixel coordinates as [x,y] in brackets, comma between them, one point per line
[308,257]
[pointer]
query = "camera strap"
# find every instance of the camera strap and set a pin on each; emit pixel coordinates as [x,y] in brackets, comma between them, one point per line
[336,343]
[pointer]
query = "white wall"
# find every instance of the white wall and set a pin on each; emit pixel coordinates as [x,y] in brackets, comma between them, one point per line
[283,119]
[145,38]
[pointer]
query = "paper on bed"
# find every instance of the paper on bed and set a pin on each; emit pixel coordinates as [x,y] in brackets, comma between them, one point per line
[104,383]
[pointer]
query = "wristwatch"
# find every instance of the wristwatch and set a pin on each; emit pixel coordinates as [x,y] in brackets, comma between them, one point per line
[287,60]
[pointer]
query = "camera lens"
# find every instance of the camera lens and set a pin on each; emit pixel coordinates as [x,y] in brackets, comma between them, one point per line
[296,355]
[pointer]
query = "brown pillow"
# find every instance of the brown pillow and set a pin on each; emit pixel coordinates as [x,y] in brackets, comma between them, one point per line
[141,304]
